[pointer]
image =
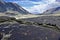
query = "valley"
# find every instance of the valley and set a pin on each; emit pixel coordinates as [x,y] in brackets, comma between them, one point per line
[16,23]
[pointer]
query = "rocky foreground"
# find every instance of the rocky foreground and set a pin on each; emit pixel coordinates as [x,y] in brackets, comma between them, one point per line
[13,29]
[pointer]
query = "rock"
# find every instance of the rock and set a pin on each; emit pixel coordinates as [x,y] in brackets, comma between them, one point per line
[6,18]
[20,30]
[1,36]
[29,32]
[52,20]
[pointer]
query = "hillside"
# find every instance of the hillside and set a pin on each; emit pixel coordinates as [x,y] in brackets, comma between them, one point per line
[53,11]
[12,7]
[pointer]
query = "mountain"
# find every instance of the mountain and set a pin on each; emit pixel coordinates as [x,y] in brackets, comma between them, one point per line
[12,7]
[53,11]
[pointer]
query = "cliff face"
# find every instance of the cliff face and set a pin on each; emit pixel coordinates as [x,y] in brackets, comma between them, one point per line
[9,6]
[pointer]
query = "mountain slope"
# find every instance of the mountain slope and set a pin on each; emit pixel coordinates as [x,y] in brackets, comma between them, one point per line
[2,7]
[9,6]
[53,11]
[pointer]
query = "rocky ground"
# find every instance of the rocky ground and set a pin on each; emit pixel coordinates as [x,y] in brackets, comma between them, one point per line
[48,20]
[31,29]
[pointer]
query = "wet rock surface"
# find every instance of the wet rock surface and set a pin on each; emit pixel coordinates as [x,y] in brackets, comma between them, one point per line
[17,30]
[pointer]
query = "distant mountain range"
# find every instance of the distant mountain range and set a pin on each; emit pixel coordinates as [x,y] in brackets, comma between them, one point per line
[53,11]
[9,6]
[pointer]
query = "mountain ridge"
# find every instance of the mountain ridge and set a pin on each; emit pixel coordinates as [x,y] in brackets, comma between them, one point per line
[5,6]
[55,10]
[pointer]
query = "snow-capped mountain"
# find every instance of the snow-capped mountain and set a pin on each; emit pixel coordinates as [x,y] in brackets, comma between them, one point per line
[9,6]
[53,11]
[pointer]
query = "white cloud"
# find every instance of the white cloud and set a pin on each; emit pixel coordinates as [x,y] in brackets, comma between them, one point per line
[37,8]
[43,6]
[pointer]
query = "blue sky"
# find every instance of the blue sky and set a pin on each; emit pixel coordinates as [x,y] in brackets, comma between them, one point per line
[37,6]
